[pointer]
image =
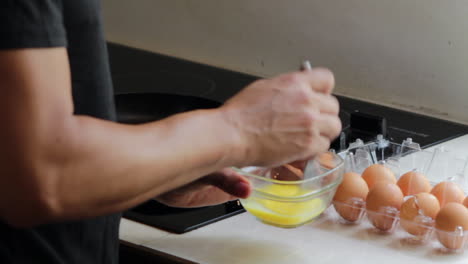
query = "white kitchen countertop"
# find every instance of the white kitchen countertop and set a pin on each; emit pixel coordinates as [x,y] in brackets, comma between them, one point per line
[243,239]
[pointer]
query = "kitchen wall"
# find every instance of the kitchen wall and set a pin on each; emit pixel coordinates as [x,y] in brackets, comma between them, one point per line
[410,54]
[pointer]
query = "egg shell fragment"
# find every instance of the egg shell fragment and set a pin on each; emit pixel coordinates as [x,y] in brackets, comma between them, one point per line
[326,160]
[287,173]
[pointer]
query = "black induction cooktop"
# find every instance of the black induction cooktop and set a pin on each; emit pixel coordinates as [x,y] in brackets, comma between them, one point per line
[150,86]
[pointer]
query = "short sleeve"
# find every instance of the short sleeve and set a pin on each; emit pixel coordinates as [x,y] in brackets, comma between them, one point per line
[32,24]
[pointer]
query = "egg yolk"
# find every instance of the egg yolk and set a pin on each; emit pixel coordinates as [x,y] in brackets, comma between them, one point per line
[281,213]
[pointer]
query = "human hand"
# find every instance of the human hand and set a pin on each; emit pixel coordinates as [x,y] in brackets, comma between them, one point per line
[290,117]
[216,188]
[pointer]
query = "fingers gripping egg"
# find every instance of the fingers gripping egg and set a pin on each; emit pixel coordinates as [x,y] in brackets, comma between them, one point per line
[447,192]
[383,203]
[451,223]
[378,173]
[417,214]
[413,182]
[350,196]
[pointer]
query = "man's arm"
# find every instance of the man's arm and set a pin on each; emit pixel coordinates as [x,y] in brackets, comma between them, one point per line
[56,166]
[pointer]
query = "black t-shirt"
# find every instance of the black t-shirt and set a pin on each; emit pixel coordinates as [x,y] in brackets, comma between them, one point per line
[77,25]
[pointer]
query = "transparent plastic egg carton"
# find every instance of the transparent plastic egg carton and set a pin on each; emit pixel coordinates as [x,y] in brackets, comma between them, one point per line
[437,165]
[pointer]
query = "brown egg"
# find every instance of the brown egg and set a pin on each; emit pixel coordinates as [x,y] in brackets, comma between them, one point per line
[413,182]
[448,192]
[452,220]
[287,173]
[350,197]
[383,204]
[417,214]
[378,173]
[465,202]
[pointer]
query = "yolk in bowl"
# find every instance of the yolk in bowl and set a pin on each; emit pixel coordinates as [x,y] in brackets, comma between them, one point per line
[283,213]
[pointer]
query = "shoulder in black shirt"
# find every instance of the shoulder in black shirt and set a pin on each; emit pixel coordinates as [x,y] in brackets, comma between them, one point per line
[76,25]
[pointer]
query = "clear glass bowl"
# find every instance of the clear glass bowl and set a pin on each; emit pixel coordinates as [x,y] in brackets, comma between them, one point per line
[293,194]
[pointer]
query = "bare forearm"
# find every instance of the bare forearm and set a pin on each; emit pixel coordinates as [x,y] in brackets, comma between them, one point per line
[135,163]
[55,165]
[93,167]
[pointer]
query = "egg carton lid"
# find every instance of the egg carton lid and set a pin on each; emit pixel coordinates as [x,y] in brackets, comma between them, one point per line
[437,164]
